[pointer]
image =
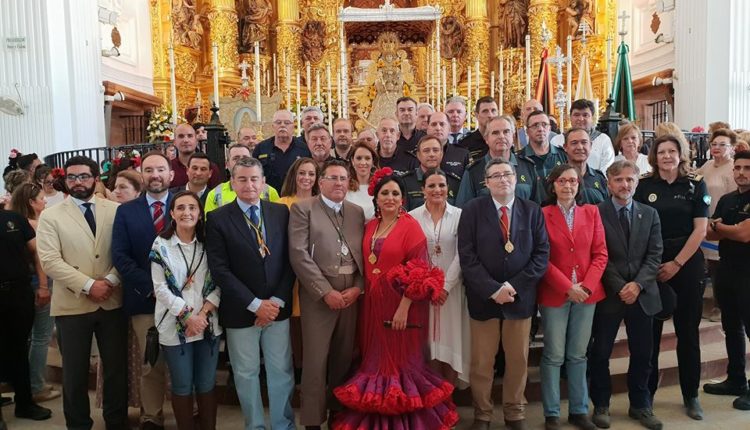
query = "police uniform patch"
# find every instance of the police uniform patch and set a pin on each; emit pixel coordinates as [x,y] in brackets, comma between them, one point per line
[596,184]
[523,178]
[707,199]
[11,225]
[652,197]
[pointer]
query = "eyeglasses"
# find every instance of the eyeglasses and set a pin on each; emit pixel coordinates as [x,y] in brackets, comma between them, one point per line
[83,177]
[540,125]
[335,178]
[570,181]
[501,176]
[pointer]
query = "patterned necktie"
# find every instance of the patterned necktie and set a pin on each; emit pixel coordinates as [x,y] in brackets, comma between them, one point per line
[254,215]
[159,219]
[89,216]
[625,222]
[504,223]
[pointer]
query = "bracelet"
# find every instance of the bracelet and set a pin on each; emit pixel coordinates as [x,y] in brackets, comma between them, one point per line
[677,263]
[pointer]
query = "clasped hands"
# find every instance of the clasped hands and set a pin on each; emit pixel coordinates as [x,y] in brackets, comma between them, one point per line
[196,324]
[266,313]
[337,300]
[578,293]
[101,290]
[629,293]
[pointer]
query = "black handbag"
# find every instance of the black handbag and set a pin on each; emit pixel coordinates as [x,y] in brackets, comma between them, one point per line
[151,350]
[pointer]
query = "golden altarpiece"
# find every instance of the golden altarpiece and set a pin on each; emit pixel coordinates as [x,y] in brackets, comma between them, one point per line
[302,44]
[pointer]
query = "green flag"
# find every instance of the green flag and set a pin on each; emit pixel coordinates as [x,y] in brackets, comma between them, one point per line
[622,87]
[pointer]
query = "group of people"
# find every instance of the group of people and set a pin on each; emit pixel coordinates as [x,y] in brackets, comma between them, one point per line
[386,271]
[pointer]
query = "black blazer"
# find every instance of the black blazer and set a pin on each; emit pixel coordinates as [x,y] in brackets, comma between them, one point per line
[486,265]
[637,260]
[237,267]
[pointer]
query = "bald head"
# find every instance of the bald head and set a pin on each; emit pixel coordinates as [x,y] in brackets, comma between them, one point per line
[185,140]
[528,107]
[247,137]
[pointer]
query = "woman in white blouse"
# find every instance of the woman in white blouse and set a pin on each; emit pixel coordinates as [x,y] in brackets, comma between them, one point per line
[628,146]
[449,324]
[185,313]
[364,161]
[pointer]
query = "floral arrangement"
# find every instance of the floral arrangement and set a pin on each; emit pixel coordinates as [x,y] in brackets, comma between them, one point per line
[160,127]
[698,129]
[421,281]
[134,156]
[377,177]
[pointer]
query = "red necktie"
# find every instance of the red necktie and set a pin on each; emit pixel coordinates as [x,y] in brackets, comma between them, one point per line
[158,217]
[504,223]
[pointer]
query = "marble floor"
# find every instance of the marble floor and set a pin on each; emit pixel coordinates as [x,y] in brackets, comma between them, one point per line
[719,415]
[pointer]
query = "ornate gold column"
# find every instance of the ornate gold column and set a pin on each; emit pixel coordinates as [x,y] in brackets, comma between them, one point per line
[288,41]
[478,42]
[541,12]
[224,33]
[159,43]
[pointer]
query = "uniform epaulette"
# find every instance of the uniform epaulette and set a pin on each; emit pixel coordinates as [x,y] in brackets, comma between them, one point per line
[695,177]
[453,175]
[405,174]
[473,163]
[646,175]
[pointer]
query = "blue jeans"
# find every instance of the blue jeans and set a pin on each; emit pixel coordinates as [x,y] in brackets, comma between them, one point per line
[192,365]
[244,346]
[567,330]
[41,333]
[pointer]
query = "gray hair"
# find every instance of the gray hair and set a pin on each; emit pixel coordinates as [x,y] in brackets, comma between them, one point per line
[456,99]
[247,162]
[496,162]
[618,166]
[427,105]
[312,109]
[318,126]
[507,118]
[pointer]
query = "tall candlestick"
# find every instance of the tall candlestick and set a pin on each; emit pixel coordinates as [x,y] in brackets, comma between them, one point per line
[528,67]
[438,67]
[308,83]
[328,93]
[344,80]
[492,84]
[453,76]
[338,94]
[501,91]
[570,69]
[608,90]
[215,48]
[445,86]
[275,72]
[268,82]
[318,100]
[256,51]
[288,86]
[468,95]
[299,102]
[478,75]
[172,84]
[428,75]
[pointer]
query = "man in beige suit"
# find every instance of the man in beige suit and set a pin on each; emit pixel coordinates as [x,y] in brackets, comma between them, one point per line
[325,250]
[73,241]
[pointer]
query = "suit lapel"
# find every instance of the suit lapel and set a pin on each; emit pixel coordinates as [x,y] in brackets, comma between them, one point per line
[493,220]
[636,225]
[145,213]
[238,219]
[611,216]
[75,212]
[269,223]
[558,221]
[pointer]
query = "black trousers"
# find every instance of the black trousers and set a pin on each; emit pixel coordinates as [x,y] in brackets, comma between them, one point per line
[74,333]
[732,291]
[16,319]
[639,327]
[688,287]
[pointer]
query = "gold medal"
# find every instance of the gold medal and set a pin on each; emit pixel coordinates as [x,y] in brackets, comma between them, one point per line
[438,250]
[509,247]
[372,258]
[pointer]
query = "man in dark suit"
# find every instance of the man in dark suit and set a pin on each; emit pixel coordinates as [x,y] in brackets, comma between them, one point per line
[325,245]
[633,233]
[248,255]
[135,227]
[503,250]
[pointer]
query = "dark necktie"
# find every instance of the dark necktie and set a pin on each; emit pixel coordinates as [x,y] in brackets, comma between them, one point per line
[455,137]
[254,215]
[88,214]
[625,222]
[159,218]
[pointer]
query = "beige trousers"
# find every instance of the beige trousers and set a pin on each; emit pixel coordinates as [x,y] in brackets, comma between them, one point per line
[153,379]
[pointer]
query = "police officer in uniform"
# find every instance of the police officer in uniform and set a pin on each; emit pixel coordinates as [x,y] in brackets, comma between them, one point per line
[498,134]
[730,227]
[455,158]
[409,135]
[682,202]
[539,151]
[577,146]
[278,152]
[474,142]
[430,154]
[389,153]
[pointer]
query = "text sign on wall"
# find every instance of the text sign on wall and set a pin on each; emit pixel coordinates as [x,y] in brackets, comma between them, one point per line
[15,42]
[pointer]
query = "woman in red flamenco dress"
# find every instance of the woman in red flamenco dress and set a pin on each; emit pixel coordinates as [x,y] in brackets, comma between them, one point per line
[394,389]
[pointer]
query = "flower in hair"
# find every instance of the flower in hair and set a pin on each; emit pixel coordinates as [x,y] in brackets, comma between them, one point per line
[57,172]
[14,153]
[377,177]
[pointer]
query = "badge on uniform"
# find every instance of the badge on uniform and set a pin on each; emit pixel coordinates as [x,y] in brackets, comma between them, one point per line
[596,184]
[652,197]
[523,178]
[11,225]
[707,199]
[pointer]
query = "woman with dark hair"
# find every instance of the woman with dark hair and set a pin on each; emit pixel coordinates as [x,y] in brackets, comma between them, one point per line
[363,163]
[568,293]
[186,304]
[394,388]
[28,200]
[449,321]
[44,177]
[682,201]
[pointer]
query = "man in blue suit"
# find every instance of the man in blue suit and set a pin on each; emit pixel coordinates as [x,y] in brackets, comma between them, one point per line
[248,255]
[503,250]
[135,227]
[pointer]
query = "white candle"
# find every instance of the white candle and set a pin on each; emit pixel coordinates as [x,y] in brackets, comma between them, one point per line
[338,94]
[308,83]
[528,67]
[288,86]
[453,76]
[468,95]
[256,51]
[215,48]
[478,75]
[328,93]
[501,91]
[608,90]
[275,72]
[570,69]
[445,84]
[428,76]
[343,80]
[299,102]
[492,84]
[317,86]
[268,82]
[172,84]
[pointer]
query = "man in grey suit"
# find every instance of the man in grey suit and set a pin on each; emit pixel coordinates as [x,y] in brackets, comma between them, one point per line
[633,233]
[325,250]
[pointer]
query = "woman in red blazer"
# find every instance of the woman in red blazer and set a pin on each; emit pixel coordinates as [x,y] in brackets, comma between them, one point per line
[568,293]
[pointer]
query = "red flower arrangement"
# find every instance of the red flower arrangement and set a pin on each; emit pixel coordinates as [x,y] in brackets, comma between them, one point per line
[377,177]
[421,281]
[698,129]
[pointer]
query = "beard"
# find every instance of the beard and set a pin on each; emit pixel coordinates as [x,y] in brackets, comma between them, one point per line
[157,187]
[84,194]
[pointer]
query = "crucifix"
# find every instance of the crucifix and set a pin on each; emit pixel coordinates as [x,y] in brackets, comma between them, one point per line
[244,66]
[560,97]
[585,29]
[623,17]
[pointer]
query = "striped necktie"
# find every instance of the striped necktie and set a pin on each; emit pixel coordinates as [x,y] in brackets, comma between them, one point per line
[159,219]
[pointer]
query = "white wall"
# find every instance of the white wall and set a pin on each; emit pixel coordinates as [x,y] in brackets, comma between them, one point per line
[646,56]
[134,67]
[739,65]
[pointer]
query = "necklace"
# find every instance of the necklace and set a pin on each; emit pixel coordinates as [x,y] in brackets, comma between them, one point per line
[372,258]
[436,232]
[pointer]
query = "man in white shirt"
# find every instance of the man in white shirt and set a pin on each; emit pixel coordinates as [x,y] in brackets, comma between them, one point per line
[582,116]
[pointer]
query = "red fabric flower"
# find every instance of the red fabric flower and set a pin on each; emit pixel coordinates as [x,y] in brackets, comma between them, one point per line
[421,281]
[377,177]
[57,172]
